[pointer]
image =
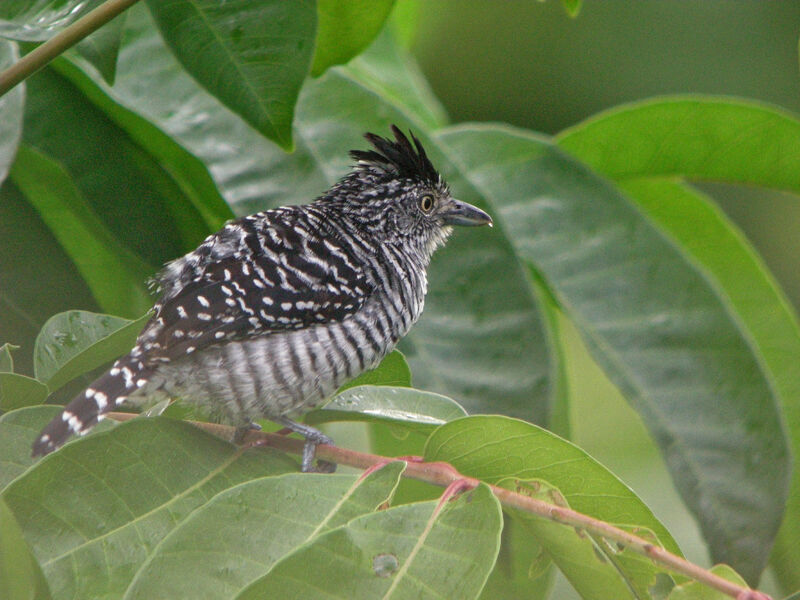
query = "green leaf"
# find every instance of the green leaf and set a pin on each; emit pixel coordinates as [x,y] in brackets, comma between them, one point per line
[102,47]
[32,265]
[75,342]
[200,195]
[401,406]
[6,360]
[11,110]
[523,569]
[583,560]
[538,463]
[718,139]
[662,332]
[18,429]
[391,72]
[494,448]
[345,29]
[253,57]
[124,184]
[17,391]
[114,274]
[421,550]
[39,20]
[95,510]
[393,370]
[751,291]
[722,140]
[694,590]
[404,21]
[208,555]
[20,576]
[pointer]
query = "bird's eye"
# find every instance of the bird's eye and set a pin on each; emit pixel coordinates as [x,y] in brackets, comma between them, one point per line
[426,203]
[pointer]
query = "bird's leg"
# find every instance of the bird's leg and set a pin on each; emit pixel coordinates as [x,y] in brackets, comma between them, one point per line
[313,437]
[240,432]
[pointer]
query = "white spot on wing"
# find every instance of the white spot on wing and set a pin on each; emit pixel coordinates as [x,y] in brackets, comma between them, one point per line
[101,399]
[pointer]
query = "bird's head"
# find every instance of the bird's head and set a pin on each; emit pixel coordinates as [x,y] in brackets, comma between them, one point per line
[395,192]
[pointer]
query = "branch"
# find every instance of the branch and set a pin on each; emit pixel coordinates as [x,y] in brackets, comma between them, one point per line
[61,42]
[444,475]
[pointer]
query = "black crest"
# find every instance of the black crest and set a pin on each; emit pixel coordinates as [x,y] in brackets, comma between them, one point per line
[400,156]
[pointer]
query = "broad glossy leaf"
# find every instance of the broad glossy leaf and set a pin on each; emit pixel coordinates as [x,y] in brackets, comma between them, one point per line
[722,140]
[39,20]
[20,576]
[102,47]
[463,345]
[242,532]
[345,29]
[494,448]
[411,551]
[115,275]
[758,301]
[253,57]
[663,333]
[18,429]
[404,407]
[200,195]
[538,463]
[11,110]
[94,511]
[123,183]
[393,370]
[75,342]
[718,139]
[18,390]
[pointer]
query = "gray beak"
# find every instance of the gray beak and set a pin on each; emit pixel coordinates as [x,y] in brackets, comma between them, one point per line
[456,212]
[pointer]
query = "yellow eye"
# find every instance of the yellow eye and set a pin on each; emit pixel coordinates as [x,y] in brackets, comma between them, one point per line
[426,203]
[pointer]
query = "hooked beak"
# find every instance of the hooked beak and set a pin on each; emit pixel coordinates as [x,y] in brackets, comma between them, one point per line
[456,212]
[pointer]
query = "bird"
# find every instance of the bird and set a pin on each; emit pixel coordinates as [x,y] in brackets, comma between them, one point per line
[273,313]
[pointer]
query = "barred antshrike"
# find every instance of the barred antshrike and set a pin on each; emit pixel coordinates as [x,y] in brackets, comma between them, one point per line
[269,316]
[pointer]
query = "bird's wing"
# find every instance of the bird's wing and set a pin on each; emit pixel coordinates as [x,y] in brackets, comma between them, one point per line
[254,277]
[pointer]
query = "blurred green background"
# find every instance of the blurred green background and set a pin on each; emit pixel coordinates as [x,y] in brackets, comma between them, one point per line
[530,64]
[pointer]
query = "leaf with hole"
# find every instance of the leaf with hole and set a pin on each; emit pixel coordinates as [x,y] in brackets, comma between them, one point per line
[239,535]
[422,550]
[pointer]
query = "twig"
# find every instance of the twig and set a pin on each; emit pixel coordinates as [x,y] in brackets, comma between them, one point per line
[444,474]
[62,41]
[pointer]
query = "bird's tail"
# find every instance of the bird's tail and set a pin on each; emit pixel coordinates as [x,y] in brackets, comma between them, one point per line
[87,408]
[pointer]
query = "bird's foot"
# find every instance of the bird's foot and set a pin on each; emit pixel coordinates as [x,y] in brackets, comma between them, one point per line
[241,432]
[313,437]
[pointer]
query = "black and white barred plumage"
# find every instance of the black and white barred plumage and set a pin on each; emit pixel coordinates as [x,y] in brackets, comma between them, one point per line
[272,314]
